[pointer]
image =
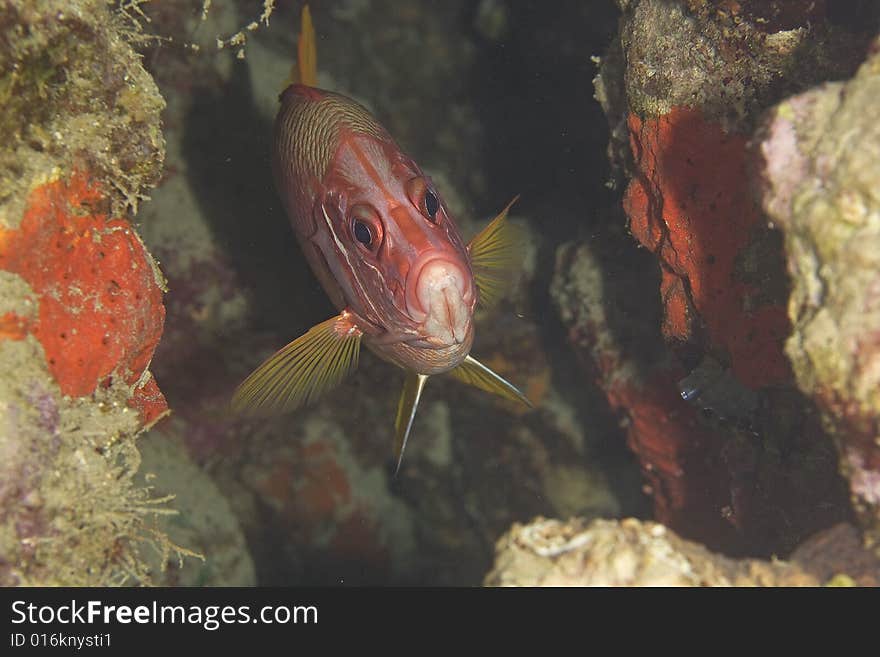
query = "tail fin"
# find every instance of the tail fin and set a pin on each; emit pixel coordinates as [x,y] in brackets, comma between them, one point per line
[306,71]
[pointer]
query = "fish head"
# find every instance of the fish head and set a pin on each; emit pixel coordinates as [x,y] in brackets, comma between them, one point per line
[404,265]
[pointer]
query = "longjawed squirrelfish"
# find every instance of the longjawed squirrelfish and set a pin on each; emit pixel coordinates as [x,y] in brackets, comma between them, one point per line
[380,239]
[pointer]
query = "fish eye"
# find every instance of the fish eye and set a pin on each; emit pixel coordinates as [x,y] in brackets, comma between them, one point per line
[366,227]
[432,204]
[424,198]
[362,233]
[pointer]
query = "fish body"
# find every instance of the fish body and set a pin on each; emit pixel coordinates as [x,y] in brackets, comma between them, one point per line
[386,250]
[375,231]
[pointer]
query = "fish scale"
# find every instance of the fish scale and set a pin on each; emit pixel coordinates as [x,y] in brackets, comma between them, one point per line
[309,134]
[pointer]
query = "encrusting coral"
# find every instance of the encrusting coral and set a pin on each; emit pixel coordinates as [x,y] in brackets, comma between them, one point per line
[80,298]
[634,553]
[684,88]
[818,168]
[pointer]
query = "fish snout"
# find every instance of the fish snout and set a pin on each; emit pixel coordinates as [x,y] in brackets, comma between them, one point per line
[438,296]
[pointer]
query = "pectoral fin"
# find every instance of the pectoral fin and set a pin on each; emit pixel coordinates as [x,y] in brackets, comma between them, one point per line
[496,252]
[473,372]
[406,412]
[303,370]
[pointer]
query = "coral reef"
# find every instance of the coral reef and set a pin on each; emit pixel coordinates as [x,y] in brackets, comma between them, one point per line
[695,83]
[70,511]
[715,481]
[99,293]
[683,89]
[204,521]
[689,204]
[635,553]
[819,173]
[80,297]
[74,96]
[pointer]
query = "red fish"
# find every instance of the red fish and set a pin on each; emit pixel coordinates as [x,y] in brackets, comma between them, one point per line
[380,239]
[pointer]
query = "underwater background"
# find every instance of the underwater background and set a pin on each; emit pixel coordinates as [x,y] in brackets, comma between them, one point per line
[697,320]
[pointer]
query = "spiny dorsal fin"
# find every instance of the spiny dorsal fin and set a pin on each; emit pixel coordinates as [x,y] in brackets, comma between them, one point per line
[306,52]
[496,252]
[473,372]
[305,70]
[303,370]
[406,413]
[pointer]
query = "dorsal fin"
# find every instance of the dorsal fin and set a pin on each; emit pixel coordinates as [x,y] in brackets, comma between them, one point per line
[306,52]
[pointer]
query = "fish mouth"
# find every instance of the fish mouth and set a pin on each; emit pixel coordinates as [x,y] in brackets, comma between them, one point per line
[437,298]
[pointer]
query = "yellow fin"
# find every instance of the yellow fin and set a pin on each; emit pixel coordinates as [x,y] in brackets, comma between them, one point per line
[473,372]
[302,371]
[306,52]
[406,412]
[496,252]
